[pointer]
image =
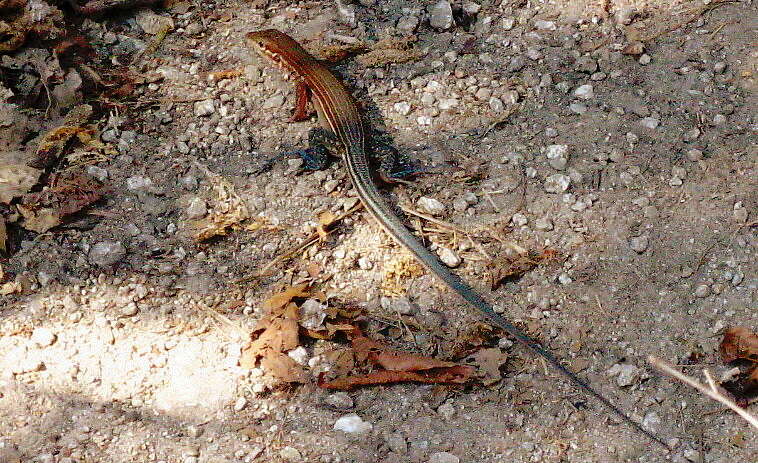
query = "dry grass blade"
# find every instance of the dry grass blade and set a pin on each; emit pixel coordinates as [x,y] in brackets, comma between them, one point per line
[313,238]
[671,371]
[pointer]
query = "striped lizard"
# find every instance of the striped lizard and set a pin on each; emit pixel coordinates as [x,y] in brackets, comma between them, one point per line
[339,116]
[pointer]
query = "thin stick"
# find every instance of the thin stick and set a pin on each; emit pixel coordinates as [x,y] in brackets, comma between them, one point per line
[669,370]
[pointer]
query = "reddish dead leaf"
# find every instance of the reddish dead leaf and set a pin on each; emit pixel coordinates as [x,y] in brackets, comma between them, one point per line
[394,360]
[458,374]
[739,343]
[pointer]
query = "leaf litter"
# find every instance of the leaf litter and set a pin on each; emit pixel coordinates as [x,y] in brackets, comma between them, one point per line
[298,316]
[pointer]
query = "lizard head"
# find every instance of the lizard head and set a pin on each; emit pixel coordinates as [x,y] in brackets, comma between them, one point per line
[272,44]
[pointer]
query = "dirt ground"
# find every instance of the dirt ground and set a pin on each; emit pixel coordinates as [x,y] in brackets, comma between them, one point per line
[619,135]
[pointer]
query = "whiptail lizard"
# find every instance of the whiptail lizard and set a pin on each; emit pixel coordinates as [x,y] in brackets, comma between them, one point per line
[338,114]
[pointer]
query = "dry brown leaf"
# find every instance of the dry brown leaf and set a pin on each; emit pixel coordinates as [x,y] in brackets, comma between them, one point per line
[53,143]
[509,268]
[325,220]
[283,367]
[279,300]
[275,334]
[458,374]
[487,363]
[739,343]
[740,347]
[225,74]
[39,220]
[15,180]
[68,194]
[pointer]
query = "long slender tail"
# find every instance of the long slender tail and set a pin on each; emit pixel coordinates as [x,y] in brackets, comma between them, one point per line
[394,226]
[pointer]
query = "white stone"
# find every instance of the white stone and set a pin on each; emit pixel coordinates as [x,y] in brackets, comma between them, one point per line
[430,205]
[43,337]
[353,424]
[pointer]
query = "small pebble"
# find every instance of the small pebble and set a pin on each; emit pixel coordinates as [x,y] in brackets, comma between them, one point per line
[430,205]
[340,401]
[702,291]
[639,244]
[557,156]
[737,278]
[557,183]
[196,209]
[694,155]
[545,25]
[129,309]
[519,220]
[364,263]
[353,424]
[543,224]
[43,337]
[650,122]
[204,108]
[584,92]
[577,108]
[289,453]
[240,404]
[448,257]
[644,59]
[691,135]
[194,431]
[441,15]
[443,457]
[447,410]
[628,375]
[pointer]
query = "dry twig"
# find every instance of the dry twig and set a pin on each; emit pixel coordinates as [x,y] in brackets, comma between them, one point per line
[710,392]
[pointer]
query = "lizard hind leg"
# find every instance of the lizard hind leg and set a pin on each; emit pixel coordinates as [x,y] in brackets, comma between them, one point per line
[393,167]
[315,157]
[322,145]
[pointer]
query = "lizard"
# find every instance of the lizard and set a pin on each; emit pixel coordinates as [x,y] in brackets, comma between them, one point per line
[339,116]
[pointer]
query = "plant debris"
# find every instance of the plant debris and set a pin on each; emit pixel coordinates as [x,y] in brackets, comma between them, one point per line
[391,51]
[228,210]
[509,268]
[298,315]
[67,195]
[739,348]
[53,144]
[396,366]
[397,273]
[274,335]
